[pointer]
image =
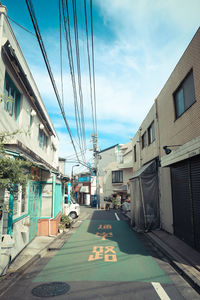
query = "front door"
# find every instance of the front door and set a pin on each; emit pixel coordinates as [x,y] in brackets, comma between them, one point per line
[34,207]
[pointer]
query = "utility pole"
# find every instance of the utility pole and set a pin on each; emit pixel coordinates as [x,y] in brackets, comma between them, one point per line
[72,177]
[94,139]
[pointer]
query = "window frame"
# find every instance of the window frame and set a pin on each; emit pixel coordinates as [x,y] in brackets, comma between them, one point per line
[151,136]
[43,139]
[182,89]
[117,176]
[135,153]
[144,140]
[11,97]
[20,203]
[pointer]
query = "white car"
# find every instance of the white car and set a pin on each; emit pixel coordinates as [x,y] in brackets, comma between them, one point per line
[72,208]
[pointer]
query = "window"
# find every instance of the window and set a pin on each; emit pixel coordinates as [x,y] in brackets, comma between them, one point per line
[184,96]
[31,120]
[135,154]
[20,200]
[42,139]
[144,140]
[11,98]
[117,176]
[151,133]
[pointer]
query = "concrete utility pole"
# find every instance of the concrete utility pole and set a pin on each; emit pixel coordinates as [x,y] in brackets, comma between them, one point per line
[96,159]
[72,175]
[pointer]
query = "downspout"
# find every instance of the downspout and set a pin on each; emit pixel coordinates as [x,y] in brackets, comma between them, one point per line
[53,199]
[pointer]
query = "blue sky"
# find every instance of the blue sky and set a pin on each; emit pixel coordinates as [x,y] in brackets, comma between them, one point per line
[137,45]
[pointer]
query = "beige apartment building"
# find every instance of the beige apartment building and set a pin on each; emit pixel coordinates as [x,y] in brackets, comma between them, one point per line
[169,138]
[178,108]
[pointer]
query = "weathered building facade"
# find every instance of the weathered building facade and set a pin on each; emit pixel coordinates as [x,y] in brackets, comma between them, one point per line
[35,208]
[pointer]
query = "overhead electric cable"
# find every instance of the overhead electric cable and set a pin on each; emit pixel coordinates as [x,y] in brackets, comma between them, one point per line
[61,62]
[79,69]
[65,13]
[41,44]
[21,26]
[78,115]
[88,54]
[93,69]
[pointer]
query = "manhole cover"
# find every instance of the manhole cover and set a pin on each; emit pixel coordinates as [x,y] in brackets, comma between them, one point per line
[51,289]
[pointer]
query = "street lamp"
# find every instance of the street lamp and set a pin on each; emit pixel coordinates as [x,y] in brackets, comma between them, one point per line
[168,150]
[72,171]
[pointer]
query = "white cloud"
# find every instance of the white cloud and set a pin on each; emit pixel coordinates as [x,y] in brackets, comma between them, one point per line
[149,37]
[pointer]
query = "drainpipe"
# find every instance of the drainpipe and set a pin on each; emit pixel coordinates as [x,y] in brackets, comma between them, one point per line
[53,199]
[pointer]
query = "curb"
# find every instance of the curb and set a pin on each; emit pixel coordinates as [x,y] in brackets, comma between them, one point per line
[186,270]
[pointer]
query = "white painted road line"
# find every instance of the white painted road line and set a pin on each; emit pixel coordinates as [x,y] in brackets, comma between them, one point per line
[116,215]
[160,291]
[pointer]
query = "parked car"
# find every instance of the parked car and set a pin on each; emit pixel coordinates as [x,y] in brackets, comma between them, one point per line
[71,208]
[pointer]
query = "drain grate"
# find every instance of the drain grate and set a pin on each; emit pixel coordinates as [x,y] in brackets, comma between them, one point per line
[51,289]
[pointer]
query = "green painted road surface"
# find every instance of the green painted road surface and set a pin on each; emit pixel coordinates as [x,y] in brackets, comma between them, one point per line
[102,250]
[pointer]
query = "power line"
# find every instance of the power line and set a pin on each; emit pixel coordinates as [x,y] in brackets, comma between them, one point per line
[21,26]
[93,69]
[65,13]
[88,54]
[79,69]
[61,62]
[41,44]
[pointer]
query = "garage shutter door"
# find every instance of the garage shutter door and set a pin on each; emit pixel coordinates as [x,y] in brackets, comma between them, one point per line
[185,178]
[195,186]
[182,204]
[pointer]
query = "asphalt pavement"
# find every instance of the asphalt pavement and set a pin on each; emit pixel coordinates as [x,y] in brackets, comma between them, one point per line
[104,259]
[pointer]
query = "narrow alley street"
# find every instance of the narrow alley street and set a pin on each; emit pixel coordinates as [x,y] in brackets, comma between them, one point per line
[102,259]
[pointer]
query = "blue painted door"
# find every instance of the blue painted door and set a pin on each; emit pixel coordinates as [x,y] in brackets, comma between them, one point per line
[34,207]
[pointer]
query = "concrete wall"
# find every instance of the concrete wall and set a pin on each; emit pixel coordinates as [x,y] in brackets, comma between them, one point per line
[184,131]
[166,214]
[150,151]
[29,134]
[187,126]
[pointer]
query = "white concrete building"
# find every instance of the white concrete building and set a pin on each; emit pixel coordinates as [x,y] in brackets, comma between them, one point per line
[22,109]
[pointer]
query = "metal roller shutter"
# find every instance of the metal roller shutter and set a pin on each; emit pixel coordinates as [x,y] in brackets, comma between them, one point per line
[195,187]
[182,202]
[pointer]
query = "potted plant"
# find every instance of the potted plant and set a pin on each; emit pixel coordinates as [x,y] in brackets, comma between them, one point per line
[65,222]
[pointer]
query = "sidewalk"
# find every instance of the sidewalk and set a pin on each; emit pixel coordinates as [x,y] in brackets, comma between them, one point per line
[182,257]
[32,253]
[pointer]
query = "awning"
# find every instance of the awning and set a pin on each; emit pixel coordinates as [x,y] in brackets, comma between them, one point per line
[84,189]
[122,189]
[77,188]
[141,170]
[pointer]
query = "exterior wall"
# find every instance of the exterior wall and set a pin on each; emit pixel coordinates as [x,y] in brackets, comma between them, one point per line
[107,156]
[136,143]
[27,140]
[21,234]
[187,126]
[124,162]
[150,151]
[184,131]
[29,135]
[166,213]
